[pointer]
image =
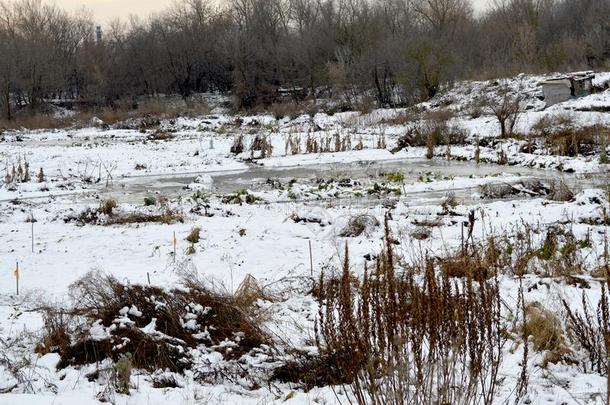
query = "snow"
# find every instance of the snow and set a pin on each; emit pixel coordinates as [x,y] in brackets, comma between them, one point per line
[269,240]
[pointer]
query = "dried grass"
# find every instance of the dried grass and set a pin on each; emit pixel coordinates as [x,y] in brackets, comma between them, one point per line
[372,335]
[214,319]
[546,334]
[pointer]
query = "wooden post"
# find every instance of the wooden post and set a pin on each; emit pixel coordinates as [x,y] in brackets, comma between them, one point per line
[148,276]
[17,277]
[174,246]
[310,259]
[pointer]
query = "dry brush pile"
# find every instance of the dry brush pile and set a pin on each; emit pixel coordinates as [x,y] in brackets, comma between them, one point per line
[157,328]
[108,213]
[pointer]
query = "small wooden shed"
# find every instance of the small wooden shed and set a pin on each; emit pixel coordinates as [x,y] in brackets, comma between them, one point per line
[560,89]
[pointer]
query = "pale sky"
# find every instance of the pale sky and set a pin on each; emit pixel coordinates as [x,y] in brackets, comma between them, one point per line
[105,10]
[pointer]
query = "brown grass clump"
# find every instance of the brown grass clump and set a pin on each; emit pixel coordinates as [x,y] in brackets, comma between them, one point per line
[156,326]
[194,236]
[463,265]
[249,291]
[545,332]
[421,233]
[107,206]
[562,137]
[526,187]
[560,191]
[439,116]
[58,327]
[449,203]
[431,134]
[313,371]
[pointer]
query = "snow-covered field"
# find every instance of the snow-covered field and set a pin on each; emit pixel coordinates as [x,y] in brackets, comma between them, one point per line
[262,216]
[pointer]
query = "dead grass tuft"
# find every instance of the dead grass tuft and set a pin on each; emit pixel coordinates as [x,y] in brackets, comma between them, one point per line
[107,206]
[194,236]
[545,332]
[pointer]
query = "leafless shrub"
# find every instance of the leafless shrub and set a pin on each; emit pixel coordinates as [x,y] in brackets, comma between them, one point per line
[506,105]
[563,137]
[549,124]
[365,105]
[590,331]
[58,326]
[373,334]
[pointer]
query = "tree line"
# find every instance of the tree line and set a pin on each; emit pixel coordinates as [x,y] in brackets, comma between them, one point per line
[395,51]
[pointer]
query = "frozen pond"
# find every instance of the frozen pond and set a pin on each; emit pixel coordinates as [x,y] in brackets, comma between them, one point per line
[256,178]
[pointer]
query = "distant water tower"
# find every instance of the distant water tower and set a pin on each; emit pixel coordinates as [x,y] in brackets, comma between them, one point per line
[98,33]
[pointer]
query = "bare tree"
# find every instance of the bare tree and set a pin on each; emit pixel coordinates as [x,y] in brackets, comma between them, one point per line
[506,105]
[393,50]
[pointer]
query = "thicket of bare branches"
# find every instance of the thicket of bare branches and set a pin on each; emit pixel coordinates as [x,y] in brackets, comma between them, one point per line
[395,51]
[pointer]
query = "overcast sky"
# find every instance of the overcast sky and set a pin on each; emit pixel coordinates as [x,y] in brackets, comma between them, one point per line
[105,10]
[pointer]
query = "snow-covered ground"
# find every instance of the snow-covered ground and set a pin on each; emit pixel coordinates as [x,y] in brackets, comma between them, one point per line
[298,198]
